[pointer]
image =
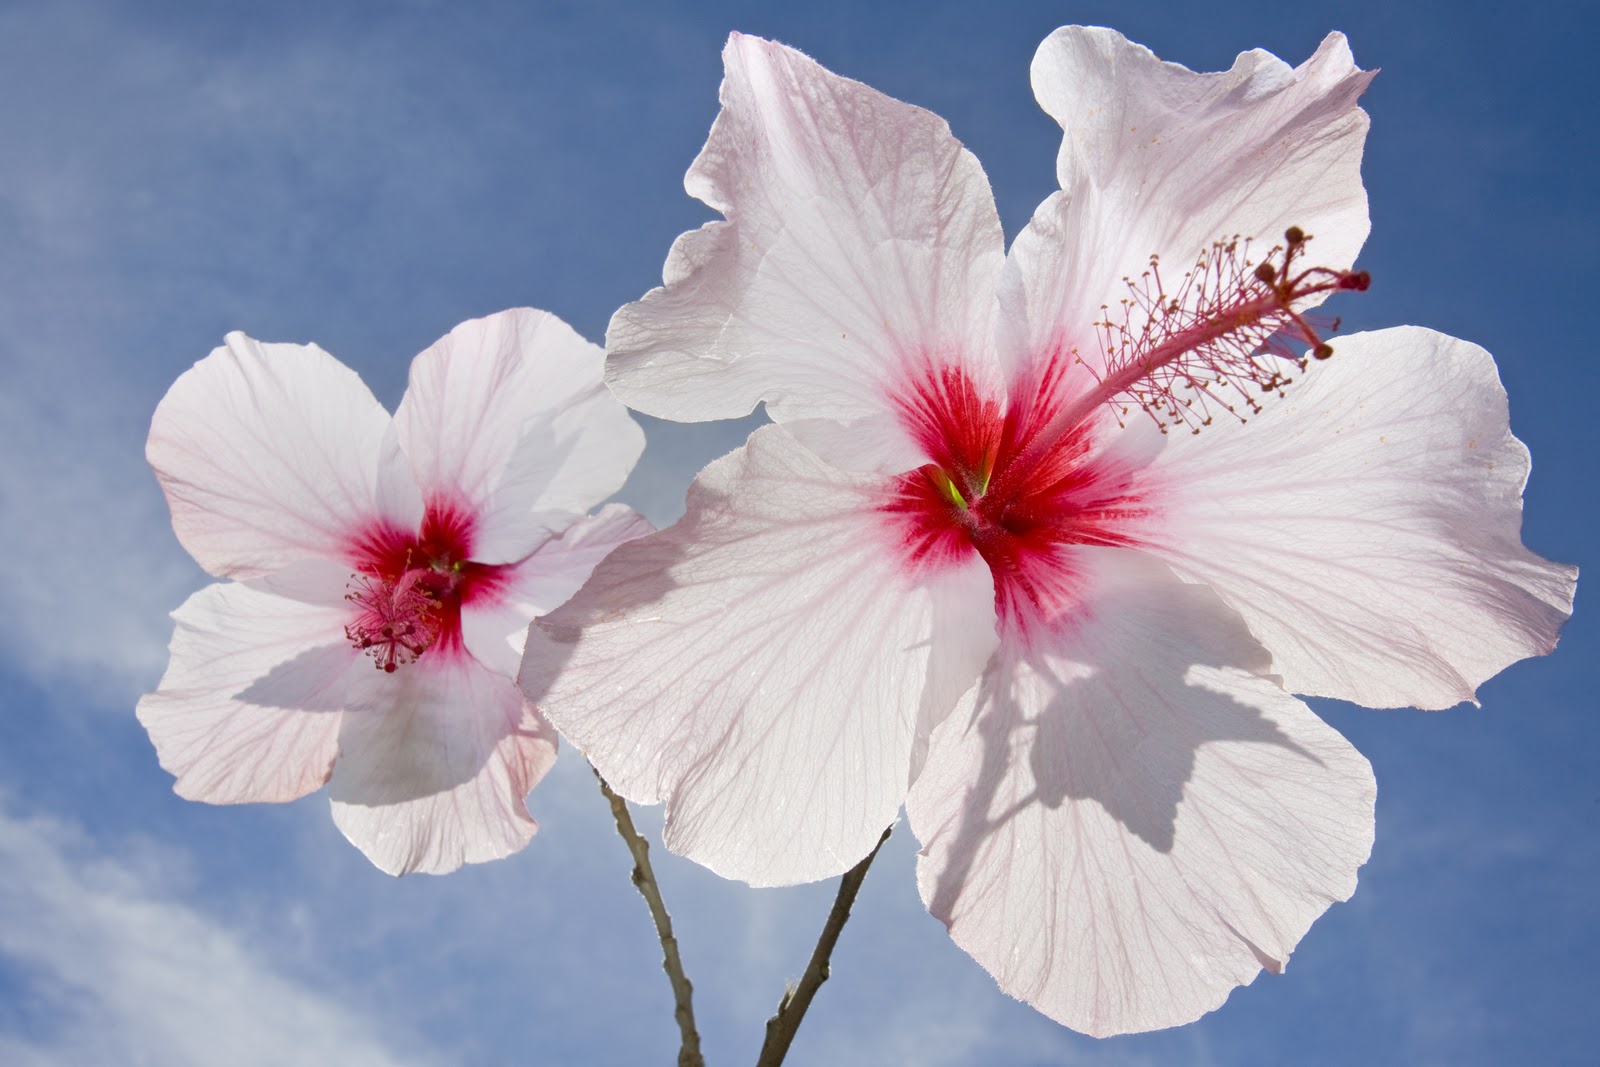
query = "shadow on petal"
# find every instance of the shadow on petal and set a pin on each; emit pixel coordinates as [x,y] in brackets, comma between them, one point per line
[1111,708]
[306,682]
[1136,763]
[1128,817]
[422,732]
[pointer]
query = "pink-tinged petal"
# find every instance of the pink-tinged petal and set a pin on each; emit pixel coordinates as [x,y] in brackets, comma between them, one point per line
[765,666]
[495,628]
[273,453]
[508,417]
[861,240]
[1368,525]
[436,761]
[1125,820]
[249,708]
[1160,160]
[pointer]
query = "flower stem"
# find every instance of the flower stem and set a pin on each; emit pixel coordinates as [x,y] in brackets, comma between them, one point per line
[782,1026]
[644,879]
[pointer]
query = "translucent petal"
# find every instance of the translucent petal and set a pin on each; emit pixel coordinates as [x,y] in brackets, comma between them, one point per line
[496,632]
[1125,820]
[765,666]
[249,708]
[1160,160]
[1368,525]
[272,453]
[435,762]
[861,240]
[508,415]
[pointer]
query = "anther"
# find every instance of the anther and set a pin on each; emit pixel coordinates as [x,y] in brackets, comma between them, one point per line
[396,619]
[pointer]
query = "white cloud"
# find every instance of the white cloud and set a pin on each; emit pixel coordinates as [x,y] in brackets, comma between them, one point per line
[93,564]
[143,979]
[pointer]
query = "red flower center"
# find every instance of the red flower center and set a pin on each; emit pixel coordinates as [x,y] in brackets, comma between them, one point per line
[410,586]
[1019,481]
[1017,507]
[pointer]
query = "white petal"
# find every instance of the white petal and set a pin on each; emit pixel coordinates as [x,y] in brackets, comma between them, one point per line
[861,240]
[509,416]
[1125,821]
[435,762]
[272,453]
[1368,525]
[764,666]
[249,708]
[496,633]
[1157,159]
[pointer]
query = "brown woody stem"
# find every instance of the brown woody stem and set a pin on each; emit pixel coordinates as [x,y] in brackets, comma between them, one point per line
[644,879]
[792,1009]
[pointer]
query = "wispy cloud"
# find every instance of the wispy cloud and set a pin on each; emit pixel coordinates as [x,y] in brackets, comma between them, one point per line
[139,977]
[94,566]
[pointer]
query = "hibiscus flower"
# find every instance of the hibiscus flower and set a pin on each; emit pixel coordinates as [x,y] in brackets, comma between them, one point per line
[1041,543]
[384,572]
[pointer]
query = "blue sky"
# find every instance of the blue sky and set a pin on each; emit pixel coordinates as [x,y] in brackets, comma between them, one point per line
[367,175]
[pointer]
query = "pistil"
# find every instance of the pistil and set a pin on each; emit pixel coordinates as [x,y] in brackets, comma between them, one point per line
[1231,331]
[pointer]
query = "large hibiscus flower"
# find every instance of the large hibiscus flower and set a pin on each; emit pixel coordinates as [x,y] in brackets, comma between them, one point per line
[970,569]
[385,572]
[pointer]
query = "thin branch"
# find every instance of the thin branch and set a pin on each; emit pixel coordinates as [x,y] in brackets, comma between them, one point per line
[644,879]
[792,1009]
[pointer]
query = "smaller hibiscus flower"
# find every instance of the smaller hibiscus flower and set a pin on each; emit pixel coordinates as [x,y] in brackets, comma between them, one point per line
[384,573]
